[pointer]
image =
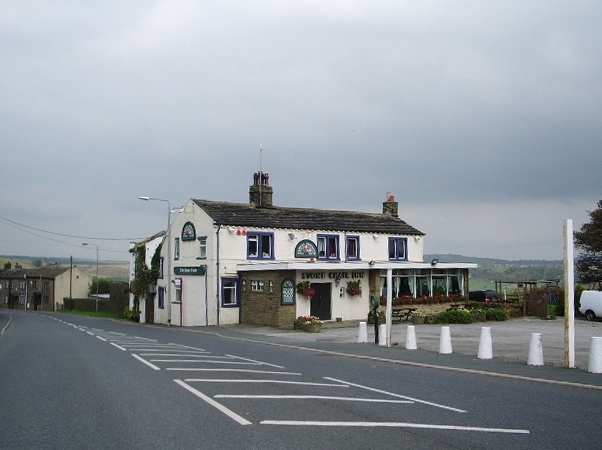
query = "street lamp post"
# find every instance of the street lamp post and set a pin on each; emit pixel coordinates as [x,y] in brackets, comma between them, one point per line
[167,238]
[97,279]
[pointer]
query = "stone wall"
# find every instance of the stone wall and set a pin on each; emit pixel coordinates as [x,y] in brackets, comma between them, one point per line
[265,308]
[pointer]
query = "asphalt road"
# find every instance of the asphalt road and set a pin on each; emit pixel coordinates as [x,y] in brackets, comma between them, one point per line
[77,382]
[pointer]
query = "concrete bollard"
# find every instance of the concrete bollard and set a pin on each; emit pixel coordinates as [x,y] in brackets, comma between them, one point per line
[362,335]
[382,335]
[411,338]
[595,355]
[535,350]
[445,345]
[485,344]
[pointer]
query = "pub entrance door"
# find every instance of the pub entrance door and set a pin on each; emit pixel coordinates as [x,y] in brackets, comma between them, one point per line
[321,301]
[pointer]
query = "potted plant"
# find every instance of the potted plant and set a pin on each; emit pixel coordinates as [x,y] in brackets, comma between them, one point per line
[310,324]
[306,290]
[354,287]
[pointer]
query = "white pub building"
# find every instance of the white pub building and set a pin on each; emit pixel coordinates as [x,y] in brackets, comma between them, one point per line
[256,263]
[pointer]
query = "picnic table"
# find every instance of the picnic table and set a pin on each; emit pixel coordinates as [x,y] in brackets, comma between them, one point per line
[402,312]
[455,306]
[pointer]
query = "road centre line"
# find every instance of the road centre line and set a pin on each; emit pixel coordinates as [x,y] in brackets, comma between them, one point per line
[119,347]
[101,338]
[183,369]
[393,425]
[314,397]
[142,360]
[258,362]
[90,333]
[302,383]
[218,406]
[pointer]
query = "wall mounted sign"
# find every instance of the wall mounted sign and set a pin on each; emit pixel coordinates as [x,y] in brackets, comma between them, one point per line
[194,270]
[288,292]
[188,232]
[306,249]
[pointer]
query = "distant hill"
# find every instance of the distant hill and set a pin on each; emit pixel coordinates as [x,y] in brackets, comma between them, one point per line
[492,261]
[115,270]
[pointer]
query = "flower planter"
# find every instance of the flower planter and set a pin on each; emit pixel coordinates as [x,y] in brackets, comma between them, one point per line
[312,327]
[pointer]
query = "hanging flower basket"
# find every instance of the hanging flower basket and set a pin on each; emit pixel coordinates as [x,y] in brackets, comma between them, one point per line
[354,288]
[305,289]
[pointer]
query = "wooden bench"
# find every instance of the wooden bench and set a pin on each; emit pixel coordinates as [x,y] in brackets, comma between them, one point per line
[402,313]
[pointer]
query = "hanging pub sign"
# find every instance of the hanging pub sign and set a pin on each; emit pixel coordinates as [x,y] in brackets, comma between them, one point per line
[306,249]
[194,270]
[188,232]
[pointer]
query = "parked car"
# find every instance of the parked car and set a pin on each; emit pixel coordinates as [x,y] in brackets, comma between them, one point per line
[590,304]
[486,295]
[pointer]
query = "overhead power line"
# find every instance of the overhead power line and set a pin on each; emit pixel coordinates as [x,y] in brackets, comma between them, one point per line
[17,224]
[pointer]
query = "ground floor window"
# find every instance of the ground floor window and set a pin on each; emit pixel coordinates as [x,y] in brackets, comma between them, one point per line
[230,295]
[161,297]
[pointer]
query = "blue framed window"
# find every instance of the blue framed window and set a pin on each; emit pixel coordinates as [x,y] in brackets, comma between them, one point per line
[161,297]
[353,248]
[230,293]
[398,249]
[328,246]
[260,245]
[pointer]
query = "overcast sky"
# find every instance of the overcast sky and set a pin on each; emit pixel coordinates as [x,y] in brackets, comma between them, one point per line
[482,118]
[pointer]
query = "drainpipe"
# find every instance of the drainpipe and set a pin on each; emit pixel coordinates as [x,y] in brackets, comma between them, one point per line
[217,282]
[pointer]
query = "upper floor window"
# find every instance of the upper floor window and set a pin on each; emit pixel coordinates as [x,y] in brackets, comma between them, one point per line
[202,247]
[176,248]
[328,246]
[161,267]
[353,248]
[260,245]
[398,249]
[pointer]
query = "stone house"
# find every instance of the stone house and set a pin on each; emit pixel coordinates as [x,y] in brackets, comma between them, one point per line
[41,289]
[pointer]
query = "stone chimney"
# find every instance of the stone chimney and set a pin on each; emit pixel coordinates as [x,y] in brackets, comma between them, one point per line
[391,207]
[260,193]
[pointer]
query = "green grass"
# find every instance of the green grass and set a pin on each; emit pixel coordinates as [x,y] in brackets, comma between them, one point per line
[103,314]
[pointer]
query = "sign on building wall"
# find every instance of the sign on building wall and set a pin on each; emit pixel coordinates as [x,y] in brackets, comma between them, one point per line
[288,292]
[306,249]
[188,232]
[194,270]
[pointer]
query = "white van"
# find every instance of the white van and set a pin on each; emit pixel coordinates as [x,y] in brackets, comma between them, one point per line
[590,304]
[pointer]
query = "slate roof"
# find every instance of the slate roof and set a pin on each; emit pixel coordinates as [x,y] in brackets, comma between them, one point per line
[248,215]
[43,272]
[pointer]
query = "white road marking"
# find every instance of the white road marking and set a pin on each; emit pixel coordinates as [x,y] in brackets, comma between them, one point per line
[215,380]
[258,362]
[218,406]
[101,338]
[142,360]
[90,333]
[391,425]
[397,395]
[183,369]
[221,362]
[119,347]
[314,397]
[179,354]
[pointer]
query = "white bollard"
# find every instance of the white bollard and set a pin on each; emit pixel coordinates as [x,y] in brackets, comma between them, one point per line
[485,344]
[445,345]
[411,338]
[362,335]
[595,355]
[535,350]
[382,335]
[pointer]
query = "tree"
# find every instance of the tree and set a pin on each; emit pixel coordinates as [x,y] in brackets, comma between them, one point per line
[589,241]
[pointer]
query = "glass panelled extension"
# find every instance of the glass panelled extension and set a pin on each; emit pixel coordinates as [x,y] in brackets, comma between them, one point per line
[424,283]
